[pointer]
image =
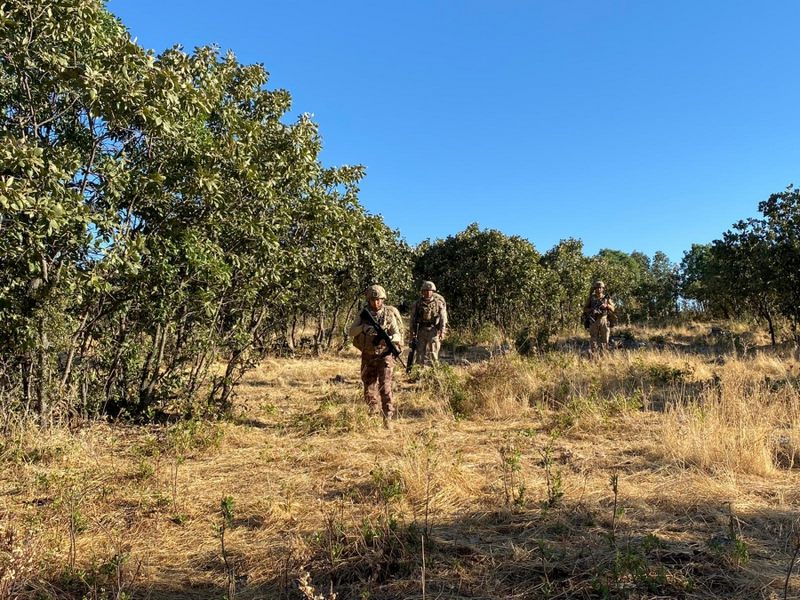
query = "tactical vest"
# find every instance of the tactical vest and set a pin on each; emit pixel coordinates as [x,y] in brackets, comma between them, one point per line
[428,312]
[387,318]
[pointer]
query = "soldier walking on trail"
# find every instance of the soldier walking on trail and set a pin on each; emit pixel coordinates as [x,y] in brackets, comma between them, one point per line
[377,362]
[598,314]
[428,324]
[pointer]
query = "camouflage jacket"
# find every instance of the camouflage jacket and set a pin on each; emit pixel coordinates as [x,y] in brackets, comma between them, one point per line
[364,336]
[598,307]
[430,312]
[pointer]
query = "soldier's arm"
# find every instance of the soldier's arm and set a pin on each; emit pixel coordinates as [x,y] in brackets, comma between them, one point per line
[395,328]
[443,321]
[357,327]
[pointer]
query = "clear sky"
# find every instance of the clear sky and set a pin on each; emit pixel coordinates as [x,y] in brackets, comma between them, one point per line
[630,124]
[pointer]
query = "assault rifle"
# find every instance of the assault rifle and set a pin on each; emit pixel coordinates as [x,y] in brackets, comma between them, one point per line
[391,347]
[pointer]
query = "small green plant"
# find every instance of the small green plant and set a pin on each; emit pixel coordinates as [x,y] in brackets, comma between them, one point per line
[335,538]
[426,449]
[144,470]
[179,518]
[268,408]
[667,374]
[552,475]
[731,546]
[388,485]
[511,465]
[446,385]
[739,551]
[226,522]
[614,481]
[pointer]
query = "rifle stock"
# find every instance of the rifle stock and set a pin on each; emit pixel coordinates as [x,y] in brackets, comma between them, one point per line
[411,354]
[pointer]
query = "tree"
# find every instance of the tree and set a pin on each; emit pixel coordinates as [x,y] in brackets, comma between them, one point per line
[488,277]
[623,274]
[158,215]
[572,280]
[782,232]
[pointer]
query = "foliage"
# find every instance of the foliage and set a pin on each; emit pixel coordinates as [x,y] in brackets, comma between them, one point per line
[572,279]
[487,277]
[642,288]
[158,215]
[753,269]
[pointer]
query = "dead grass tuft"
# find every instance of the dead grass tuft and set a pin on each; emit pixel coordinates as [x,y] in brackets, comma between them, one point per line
[736,424]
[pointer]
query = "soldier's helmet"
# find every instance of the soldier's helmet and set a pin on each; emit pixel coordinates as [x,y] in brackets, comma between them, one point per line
[376,291]
[598,284]
[427,285]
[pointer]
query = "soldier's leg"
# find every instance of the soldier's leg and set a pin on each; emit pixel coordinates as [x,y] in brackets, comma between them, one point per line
[594,339]
[604,333]
[370,376]
[422,347]
[385,379]
[424,338]
[436,345]
[419,357]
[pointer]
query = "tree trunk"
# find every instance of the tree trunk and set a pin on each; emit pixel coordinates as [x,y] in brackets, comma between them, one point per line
[332,329]
[43,407]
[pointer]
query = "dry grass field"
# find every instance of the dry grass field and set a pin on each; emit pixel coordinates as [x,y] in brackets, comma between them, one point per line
[664,471]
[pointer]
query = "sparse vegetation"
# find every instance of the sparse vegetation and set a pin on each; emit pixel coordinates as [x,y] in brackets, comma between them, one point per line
[661,472]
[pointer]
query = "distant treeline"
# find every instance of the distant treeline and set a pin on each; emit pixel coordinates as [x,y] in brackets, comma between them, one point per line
[163,228]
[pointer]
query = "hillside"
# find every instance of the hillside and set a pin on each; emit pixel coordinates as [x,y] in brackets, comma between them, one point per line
[663,472]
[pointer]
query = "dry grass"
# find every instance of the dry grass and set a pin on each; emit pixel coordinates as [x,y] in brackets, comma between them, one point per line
[505,474]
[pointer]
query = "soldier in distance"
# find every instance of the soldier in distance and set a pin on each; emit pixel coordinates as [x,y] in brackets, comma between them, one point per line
[598,314]
[428,324]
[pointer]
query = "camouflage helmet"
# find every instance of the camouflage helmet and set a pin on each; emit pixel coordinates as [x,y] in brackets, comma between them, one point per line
[598,284]
[427,285]
[376,291]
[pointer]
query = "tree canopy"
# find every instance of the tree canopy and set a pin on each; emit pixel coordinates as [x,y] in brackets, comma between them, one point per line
[160,214]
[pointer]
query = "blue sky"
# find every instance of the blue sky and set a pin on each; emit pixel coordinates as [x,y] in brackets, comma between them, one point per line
[635,125]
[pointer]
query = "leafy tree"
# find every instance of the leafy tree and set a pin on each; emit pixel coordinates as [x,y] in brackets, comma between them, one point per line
[782,232]
[701,281]
[71,85]
[752,270]
[488,277]
[158,215]
[659,287]
[572,280]
[744,257]
[642,287]
[623,275]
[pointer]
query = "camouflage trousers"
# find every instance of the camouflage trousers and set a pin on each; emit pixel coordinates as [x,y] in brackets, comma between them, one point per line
[600,333]
[428,345]
[376,374]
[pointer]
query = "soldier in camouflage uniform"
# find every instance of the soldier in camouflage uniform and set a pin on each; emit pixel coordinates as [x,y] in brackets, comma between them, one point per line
[428,324]
[599,313]
[377,363]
